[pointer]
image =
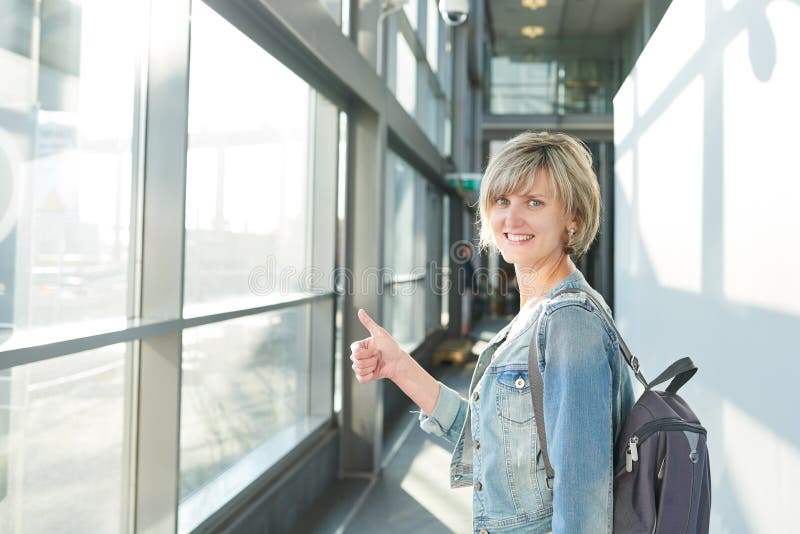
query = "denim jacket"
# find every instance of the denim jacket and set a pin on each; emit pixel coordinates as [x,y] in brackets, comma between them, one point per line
[587,395]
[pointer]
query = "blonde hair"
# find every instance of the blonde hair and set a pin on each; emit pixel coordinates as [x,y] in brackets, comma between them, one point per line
[568,164]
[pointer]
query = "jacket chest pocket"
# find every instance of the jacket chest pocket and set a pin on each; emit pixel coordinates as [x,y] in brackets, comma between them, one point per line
[520,446]
[514,397]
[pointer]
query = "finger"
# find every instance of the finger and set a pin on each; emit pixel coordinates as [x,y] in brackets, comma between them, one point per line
[367,362]
[360,345]
[365,353]
[364,379]
[365,372]
[374,328]
[362,372]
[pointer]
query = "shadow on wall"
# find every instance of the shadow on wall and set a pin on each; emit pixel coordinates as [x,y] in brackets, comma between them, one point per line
[706,261]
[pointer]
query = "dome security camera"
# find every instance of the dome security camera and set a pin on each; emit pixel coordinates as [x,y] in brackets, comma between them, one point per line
[454,12]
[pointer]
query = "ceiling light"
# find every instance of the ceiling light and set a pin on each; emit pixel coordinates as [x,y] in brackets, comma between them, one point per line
[533,5]
[532,32]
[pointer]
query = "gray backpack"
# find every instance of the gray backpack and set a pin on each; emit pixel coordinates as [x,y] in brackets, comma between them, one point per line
[662,481]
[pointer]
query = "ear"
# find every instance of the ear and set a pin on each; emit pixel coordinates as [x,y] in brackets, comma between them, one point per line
[573,222]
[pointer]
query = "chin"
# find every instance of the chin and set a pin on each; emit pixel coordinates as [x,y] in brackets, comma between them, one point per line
[511,256]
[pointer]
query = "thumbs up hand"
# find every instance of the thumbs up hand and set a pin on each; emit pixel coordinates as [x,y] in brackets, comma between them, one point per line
[378,356]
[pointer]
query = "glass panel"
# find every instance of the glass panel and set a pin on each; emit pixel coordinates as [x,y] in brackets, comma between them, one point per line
[573,86]
[407,311]
[411,8]
[66,129]
[435,228]
[445,71]
[244,386]
[523,87]
[588,86]
[432,40]
[62,463]
[431,114]
[406,77]
[405,254]
[400,257]
[247,170]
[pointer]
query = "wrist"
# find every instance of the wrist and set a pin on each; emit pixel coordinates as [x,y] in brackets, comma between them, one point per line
[401,369]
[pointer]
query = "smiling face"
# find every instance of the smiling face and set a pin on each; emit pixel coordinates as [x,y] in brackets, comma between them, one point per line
[527,190]
[530,227]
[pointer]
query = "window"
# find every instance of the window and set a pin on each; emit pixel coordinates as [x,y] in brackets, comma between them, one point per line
[68,119]
[433,24]
[523,87]
[66,131]
[406,76]
[434,244]
[244,389]
[549,86]
[260,213]
[62,423]
[247,174]
[411,7]
[408,232]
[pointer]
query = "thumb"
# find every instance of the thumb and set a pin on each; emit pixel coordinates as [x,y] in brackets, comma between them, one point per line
[374,328]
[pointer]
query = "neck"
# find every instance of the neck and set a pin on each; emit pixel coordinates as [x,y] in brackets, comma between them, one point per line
[536,281]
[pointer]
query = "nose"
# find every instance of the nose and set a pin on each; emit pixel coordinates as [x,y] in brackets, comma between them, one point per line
[514,215]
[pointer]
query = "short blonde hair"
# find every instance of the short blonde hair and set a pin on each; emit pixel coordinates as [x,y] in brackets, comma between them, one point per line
[568,164]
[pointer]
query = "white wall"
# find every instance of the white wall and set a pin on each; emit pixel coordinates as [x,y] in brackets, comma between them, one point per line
[707,239]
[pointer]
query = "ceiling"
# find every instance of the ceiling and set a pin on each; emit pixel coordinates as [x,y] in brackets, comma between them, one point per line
[585,28]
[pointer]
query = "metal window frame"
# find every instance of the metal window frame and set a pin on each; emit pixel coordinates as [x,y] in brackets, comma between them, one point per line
[157,370]
[136,329]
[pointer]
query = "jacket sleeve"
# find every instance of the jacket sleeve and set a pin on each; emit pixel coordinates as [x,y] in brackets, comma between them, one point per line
[578,421]
[448,416]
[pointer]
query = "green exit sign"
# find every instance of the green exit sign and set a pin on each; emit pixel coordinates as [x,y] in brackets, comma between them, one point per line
[469,181]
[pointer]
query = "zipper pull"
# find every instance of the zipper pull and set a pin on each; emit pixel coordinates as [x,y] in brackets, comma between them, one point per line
[631,454]
[661,470]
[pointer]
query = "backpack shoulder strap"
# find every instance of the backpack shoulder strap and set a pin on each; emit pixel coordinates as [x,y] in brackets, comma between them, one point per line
[537,382]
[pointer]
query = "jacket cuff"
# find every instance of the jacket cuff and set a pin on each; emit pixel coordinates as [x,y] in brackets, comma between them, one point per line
[444,413]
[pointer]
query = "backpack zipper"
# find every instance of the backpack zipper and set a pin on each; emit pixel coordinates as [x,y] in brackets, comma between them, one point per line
[648,429]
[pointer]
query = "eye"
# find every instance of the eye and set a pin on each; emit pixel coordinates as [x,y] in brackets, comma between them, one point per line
[535,203]
[501,201]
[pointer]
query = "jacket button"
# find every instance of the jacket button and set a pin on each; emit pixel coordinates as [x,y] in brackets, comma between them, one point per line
[475,395]
[477,444]
[478,486]
[484,532]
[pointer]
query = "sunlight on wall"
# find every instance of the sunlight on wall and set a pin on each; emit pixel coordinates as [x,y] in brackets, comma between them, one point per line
[763,469]
[706,188]
[762,176]
[659,173]
[670,171]
[665,55]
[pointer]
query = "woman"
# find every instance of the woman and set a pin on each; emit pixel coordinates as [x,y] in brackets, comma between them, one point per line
[539,204]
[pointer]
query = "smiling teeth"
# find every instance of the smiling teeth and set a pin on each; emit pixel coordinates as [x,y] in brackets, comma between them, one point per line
[517,237]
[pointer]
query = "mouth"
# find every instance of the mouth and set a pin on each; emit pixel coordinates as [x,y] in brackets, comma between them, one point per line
[518,239]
